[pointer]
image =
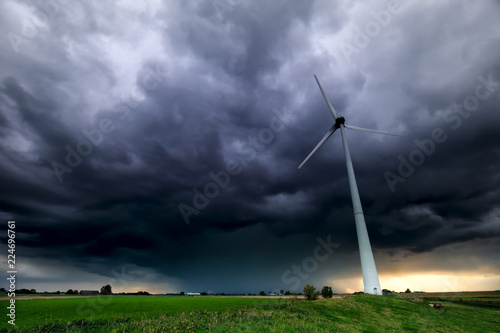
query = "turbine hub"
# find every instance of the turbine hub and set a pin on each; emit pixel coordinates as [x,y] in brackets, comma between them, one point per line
[339,121]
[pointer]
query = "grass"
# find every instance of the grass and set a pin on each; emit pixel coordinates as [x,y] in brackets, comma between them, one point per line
[363,313]
[43,311]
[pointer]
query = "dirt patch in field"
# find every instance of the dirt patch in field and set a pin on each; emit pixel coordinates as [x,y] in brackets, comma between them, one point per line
[257,296]
[271,297]
[20,298]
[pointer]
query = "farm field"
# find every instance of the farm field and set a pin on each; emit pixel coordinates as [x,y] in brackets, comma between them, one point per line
[482,298]
[463,294]
[362,313]
[33,312]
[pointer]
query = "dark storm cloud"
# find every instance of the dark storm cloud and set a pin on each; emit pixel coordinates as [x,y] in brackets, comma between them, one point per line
[186,90]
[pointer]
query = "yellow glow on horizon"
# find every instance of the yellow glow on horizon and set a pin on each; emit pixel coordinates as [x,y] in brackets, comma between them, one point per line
[152,289]
[432,282]
[440,282]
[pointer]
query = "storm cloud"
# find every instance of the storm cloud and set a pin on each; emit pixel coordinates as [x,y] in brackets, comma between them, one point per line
[161,140]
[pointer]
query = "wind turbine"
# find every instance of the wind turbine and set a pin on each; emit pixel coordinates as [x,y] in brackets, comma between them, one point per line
[368,268]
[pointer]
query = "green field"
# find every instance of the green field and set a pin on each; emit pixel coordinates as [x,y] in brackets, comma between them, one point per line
[362,313]
[43,311]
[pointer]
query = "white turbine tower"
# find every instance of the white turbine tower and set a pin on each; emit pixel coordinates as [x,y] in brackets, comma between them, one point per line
[368,268]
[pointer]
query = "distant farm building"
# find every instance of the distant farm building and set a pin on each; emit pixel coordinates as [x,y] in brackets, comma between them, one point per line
[193,294]
[89,292]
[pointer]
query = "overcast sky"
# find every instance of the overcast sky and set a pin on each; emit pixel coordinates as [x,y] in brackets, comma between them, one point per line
[154,145]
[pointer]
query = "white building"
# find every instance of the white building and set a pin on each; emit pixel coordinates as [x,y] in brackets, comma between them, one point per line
[193,294]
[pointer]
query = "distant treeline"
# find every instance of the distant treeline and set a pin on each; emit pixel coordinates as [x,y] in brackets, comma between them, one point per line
[19,291]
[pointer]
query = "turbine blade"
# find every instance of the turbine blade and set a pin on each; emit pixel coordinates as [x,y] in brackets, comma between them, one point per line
[332,110]
[327,135]
[369,130]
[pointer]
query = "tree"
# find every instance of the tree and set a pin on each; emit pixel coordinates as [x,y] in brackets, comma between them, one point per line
[106,290]
[182,293]
[70,291]
[75,292]
[310,292]
[327,292]
[262,293]
[282,292]
[408,290]
[388,292]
